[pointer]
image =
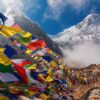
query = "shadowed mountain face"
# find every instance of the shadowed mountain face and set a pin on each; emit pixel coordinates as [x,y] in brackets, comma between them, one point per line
[27,25]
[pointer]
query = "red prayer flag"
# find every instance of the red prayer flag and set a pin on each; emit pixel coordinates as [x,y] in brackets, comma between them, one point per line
[37,44]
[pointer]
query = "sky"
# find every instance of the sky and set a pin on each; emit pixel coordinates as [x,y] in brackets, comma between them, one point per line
[53,16]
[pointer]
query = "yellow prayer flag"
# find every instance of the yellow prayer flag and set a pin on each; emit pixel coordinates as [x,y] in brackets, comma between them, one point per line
[36,58]
[32,67]
[2,50]
[4,59]
[28,51]
[32,93]
[4,97]
[27,35]
[43,96]
[49,72]
[8,33]
[53,64]
[48,79]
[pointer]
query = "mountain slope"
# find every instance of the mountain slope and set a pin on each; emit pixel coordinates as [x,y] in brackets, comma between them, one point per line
[26,24]
[87,30]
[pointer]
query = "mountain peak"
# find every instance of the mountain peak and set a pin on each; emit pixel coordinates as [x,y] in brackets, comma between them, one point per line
[87,30]
[93,15]
[92,19]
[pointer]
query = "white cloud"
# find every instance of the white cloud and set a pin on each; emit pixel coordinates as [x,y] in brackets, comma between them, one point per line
[19,5]
[82,55]
[56,7]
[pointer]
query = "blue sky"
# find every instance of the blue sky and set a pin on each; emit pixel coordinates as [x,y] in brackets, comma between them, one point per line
[54,16]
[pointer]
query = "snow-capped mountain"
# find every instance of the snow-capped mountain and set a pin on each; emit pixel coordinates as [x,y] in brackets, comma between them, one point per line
[87,30]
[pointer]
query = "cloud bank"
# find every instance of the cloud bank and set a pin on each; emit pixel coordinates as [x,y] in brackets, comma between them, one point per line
[82,55]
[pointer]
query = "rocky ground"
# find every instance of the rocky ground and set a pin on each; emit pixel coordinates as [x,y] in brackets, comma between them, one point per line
[92,91]
[94,94]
